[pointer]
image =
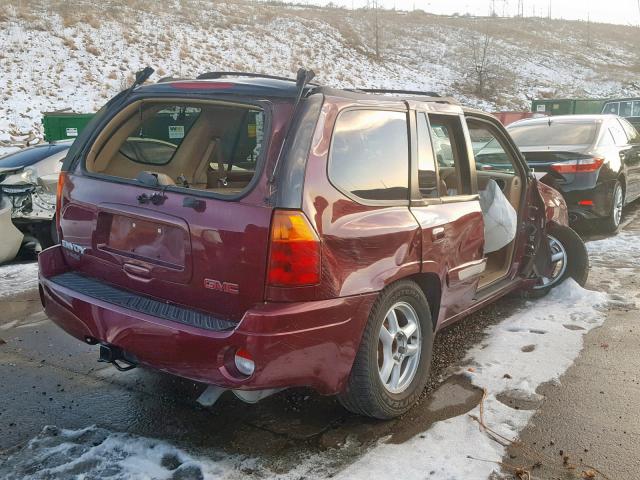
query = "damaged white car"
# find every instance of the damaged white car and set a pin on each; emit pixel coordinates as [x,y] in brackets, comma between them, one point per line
[28,180]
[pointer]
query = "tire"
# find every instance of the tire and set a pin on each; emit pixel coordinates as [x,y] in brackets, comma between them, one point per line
[612,222]
[47,234]
[576,260]
[365,392]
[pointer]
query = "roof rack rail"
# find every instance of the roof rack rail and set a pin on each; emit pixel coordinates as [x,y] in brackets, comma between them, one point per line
[403,92]
[216,75]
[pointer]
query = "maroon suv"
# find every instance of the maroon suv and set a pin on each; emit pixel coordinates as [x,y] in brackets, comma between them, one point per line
[256,233]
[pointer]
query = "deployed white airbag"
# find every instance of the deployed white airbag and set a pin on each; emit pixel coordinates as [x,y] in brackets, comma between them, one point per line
[500,218]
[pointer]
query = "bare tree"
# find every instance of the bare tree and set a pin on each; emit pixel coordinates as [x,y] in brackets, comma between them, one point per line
[481,51]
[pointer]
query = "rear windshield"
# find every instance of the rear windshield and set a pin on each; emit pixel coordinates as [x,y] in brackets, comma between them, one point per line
[556,133]
[31,156]
[209,147]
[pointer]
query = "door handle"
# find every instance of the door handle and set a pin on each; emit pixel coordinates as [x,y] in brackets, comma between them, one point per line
[137,272]
[437,233]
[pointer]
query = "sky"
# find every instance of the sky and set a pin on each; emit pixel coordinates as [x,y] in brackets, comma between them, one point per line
[609,11]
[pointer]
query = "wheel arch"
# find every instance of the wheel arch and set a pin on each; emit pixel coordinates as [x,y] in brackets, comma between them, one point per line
[431,286]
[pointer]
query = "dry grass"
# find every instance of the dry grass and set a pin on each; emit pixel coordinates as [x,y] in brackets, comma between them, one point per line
[69,43]
[93,50]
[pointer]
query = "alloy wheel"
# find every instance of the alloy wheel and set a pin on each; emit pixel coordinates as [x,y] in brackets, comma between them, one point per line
[617,205]
[399,347]
[559,264]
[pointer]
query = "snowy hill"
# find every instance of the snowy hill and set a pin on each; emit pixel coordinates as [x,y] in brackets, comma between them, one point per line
[58,54]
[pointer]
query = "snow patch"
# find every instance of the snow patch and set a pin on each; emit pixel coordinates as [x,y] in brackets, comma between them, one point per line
[457,448]
[452,449]
[617,261]
[98,453]
[18,278]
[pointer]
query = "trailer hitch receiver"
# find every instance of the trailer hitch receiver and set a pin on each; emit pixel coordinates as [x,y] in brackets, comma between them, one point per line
[115,356]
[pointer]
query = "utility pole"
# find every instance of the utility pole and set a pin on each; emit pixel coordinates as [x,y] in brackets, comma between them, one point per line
[549,9]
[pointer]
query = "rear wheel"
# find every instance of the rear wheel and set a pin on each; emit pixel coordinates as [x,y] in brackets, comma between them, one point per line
[612,222]
[392,365]
[569,258]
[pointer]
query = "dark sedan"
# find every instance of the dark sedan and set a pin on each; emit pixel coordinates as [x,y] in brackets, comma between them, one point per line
[594,160]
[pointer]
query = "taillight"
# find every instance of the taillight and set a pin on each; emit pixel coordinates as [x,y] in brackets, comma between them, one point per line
[294,251]
[61,180]
[578,166]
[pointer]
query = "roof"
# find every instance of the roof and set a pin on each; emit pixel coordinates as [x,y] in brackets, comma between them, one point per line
[269,87]
[254,87]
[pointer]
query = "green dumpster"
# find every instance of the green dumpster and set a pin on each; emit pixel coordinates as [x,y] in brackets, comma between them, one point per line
[64,125]
[589,107]
[567,106]
[553,106]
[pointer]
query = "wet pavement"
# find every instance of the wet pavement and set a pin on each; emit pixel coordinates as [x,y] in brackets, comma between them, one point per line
[50,378]
[56,380]
[588,423]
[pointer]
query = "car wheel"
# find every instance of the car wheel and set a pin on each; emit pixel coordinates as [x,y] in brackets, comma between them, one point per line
[569,258]
[47,234]
[612,222]
[392,365]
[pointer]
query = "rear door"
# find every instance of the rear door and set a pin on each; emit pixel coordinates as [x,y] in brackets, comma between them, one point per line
[212,258]
[448,213]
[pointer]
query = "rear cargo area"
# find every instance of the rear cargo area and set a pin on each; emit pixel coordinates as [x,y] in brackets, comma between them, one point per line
[165,212]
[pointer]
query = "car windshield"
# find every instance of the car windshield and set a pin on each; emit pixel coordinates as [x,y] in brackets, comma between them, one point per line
[31,156]
[554,133]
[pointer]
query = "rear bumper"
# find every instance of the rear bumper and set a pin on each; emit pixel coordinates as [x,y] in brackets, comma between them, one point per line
[601,197]
[293,344]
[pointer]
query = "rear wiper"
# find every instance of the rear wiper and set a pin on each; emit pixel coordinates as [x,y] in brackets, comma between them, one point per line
[302,79]
[141,77]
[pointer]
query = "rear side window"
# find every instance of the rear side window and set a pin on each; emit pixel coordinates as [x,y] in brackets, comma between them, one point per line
[370,154]
[448,145]
[427,172]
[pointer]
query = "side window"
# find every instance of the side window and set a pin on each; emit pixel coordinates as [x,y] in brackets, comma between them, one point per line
[630,130]
[618,133]
[448,145]
[636,109]
[626,109]
[370,154]
[489,153]
[427,174]
[613,108]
